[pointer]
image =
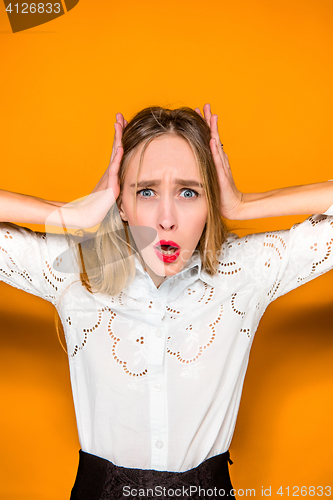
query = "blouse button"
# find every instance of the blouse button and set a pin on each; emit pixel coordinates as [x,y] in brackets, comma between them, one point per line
[159,444]
[158,333]
[157,387]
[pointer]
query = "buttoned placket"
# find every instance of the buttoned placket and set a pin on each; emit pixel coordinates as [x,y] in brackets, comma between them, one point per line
[156,362]
[157,387]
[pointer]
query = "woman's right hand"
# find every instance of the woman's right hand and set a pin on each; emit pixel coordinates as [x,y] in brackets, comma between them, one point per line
[110,176]
[89,211]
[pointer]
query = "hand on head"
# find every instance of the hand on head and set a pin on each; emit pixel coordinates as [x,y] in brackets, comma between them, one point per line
[110,176]
[231,197]
[91,210]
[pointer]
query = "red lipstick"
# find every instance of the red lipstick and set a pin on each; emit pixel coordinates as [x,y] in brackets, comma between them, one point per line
[167,251]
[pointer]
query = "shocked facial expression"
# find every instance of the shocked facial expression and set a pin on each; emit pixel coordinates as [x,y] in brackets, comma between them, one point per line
[170,198]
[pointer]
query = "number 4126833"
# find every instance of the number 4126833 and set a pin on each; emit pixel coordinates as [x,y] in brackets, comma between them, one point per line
[303,491]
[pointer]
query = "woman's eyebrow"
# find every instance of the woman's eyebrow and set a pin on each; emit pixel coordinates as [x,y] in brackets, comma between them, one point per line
[155,182]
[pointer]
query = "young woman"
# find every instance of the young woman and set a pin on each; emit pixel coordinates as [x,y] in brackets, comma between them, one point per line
[159,304]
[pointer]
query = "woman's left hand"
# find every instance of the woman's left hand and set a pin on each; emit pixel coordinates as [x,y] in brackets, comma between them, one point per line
[231,197]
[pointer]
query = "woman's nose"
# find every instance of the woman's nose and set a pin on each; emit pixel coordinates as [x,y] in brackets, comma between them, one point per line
[167,218]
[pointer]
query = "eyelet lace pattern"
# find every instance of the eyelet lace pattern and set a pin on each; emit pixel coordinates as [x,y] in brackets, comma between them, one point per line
[140,359]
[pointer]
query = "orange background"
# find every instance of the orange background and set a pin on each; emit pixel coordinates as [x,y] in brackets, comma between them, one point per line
[266,68]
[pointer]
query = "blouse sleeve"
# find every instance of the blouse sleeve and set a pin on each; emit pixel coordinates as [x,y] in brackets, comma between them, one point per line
[296,256]
[28,261]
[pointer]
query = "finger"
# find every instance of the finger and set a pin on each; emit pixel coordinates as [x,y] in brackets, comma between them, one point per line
[119,128]
[120,119]
[119,154]
[208,113]
[198,111]
[115,163]
[116,140]
[126,122]
[219,159]
[222,155]
[215,133]
[112,172]
[216,153]
[214,129]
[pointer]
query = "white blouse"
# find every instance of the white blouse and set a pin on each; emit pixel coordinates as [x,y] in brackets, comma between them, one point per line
[157,373]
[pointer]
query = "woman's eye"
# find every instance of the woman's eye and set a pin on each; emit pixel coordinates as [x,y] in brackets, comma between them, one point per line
[144,191]
[187,191]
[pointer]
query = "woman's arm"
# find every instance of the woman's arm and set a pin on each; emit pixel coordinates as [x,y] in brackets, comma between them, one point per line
[308,199]
[84,213]
[15,207]
[235,205]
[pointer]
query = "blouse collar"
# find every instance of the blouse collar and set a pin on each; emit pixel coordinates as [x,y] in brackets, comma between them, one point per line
[142,287]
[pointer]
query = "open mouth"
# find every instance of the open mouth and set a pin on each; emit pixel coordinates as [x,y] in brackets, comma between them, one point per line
[166,249]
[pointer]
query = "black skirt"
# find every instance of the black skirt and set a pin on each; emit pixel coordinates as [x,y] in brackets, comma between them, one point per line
[99,479]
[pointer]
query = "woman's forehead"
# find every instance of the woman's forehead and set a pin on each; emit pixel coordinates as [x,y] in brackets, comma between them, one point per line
[167,154]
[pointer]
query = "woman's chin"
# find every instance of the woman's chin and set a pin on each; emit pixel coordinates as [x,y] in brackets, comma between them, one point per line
[158,266]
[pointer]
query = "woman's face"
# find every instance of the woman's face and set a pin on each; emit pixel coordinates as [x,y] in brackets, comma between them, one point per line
[170,199]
